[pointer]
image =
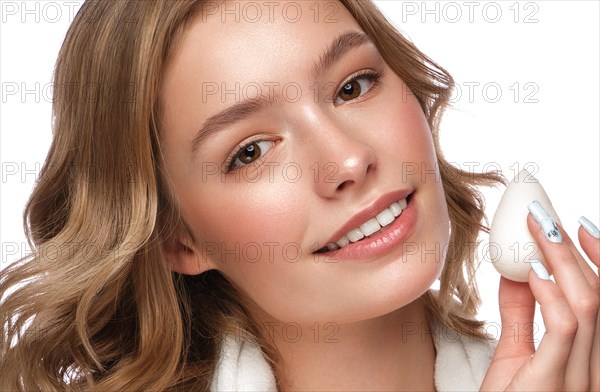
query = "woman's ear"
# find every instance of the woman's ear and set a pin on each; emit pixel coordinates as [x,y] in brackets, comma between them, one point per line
[184,258]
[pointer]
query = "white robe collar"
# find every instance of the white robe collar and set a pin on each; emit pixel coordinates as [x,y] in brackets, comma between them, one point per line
[460,365]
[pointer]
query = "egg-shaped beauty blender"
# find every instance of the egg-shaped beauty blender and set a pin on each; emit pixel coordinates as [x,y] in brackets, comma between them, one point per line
[512,246]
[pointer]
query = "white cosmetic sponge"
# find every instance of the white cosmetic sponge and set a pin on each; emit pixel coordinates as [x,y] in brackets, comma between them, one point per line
[511,245]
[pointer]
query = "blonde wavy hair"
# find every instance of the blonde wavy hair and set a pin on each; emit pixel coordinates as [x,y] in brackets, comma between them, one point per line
[95,306]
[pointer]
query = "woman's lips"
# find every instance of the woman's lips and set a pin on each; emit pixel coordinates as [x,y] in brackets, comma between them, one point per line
[383,219]
[381,242]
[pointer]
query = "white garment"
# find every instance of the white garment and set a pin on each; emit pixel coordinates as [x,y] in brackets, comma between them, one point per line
[461,361]
[242,367]
[460,365]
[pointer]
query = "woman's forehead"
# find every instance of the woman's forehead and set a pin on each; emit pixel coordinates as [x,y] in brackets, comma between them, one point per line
[245,40]
[227,56]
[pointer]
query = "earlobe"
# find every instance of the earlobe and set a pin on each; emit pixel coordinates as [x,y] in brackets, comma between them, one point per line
[184,258]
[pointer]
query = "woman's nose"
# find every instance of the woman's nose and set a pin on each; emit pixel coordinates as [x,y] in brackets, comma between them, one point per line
[345,162]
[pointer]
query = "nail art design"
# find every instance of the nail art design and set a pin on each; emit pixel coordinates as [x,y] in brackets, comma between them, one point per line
[545,221]
[589,227]
[539,269]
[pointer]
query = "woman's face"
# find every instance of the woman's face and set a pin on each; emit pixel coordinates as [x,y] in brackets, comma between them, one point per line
[265,192]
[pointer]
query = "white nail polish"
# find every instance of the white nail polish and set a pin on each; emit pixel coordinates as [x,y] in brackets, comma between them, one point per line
[539,269]
[547,224]
[589,227]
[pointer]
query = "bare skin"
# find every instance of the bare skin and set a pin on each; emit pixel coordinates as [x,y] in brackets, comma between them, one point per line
[367,139]
[246,217]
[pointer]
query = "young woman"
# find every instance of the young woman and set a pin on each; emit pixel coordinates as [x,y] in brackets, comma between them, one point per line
[262,204]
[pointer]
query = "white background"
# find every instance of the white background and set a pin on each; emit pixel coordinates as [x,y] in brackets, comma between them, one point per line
[542,57]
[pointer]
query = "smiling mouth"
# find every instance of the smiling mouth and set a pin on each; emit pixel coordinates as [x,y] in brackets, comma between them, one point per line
[376,225]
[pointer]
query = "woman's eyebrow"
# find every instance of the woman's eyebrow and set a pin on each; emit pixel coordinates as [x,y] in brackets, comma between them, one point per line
[337,49]
[334,52]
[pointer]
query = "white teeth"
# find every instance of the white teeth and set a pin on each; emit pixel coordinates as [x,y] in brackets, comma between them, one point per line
[343,242]
[370,227]
[332,246]
[396,209]
[355,235]
[385,217]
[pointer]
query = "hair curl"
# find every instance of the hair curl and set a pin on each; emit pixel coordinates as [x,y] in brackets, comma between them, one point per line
[95,304]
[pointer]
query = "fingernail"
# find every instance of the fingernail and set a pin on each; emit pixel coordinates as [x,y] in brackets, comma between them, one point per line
[539,269]
[545,221]
[589,227]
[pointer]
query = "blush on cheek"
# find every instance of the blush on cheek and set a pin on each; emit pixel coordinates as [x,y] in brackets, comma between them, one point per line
[405,126]
[239,218]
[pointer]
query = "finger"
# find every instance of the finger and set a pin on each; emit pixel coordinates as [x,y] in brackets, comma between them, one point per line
[581,298]
[589,274]
[589,241]
[515,345]
[595,359]
[566,270]
[517,307]
[548,366]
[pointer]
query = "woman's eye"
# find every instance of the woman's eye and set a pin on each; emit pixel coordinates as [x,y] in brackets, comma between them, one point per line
[249,153]
[358,87]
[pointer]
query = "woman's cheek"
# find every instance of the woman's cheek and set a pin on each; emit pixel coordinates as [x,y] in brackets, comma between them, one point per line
[410,149]
[249,220]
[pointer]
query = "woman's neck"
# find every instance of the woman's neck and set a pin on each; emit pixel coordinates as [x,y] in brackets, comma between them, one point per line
[392,352]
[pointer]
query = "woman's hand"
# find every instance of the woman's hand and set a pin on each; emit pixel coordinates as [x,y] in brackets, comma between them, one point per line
[568,356]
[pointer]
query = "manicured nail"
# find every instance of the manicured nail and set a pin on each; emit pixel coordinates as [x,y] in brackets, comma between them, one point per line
[539,269]
[589,227]
[545,221]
